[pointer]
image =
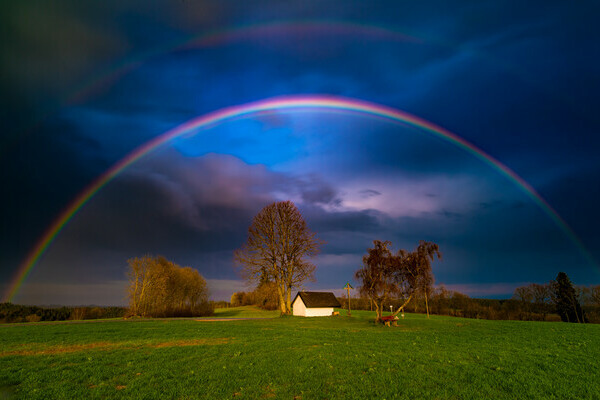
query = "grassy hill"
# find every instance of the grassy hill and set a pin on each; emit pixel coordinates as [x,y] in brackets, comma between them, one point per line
[300,358]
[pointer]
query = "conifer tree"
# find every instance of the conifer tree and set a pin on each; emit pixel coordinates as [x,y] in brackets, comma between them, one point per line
[565,299]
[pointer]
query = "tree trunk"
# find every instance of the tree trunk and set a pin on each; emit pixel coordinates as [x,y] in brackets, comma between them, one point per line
[281,299]
[403,305]
[574,303]
[378,309]
[134,299]
[288,301]
[143,306]
[426,303]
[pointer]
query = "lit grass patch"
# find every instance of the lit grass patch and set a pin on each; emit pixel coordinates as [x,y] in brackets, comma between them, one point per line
[37,349]
[245,312]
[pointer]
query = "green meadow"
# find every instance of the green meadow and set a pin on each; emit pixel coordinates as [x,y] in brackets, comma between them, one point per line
[300,358]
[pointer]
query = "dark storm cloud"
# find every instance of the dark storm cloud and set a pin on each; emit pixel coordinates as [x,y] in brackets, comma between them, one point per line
[501,81]
[41,174]
[314,190]
[162,202]
[342,221]
[54,45]
[197,211]
[194,210]
[575,195]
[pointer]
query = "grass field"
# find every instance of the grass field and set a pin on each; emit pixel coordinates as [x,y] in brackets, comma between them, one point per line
[300,358]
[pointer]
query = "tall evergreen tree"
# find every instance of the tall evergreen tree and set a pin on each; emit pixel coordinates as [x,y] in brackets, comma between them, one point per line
[565,300]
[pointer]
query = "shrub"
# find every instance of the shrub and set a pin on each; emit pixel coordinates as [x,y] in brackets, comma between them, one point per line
[33,318]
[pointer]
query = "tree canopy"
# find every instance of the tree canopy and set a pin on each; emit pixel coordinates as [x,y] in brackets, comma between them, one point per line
[279,248]
[161,288]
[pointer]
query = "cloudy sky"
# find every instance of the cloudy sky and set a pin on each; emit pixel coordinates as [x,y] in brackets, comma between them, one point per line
[84,84]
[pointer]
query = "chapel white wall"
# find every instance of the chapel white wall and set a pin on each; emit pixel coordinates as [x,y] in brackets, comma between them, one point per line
[298,308]
[319,312]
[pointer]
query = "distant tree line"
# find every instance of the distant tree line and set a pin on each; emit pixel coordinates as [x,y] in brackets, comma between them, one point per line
[264,296]
[403,279]
[220,304]
[161,288]
[12,313]
[533,302]
[571,303]
[456,304]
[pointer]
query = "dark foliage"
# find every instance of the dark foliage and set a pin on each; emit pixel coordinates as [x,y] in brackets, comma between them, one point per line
[264,296]
[10,313]
[565,299]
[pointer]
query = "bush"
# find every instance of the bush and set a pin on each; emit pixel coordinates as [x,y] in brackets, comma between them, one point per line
[33,318]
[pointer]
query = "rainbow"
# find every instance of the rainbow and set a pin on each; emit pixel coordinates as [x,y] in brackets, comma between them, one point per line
[270,30]
[313,102]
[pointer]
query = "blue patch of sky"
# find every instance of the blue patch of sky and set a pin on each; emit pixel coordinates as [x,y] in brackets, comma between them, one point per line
[245,138]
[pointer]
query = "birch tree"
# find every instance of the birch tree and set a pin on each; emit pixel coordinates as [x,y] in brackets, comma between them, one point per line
[419,269]
[379,276]
[386,276]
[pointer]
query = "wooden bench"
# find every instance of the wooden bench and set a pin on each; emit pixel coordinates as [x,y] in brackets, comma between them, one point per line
[390,320]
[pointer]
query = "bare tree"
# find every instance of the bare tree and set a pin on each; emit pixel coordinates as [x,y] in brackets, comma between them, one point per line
[278,248]
[540,293]
[595,295]
[523,294]
[380,275]
[419,269]
[386,276]
[158,287]
[541,297]
[146,284]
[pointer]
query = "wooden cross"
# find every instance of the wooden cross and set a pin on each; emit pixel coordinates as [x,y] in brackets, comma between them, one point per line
[348,287]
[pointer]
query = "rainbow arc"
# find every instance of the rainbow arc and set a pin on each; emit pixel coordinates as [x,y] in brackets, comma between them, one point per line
[283,103]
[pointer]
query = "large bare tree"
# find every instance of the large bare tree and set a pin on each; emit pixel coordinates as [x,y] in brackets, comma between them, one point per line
[278,248]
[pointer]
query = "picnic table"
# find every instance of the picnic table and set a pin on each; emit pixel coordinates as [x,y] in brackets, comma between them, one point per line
[390,320]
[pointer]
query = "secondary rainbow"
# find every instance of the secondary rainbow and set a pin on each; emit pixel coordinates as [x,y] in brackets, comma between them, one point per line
[312,102]
[273,30]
